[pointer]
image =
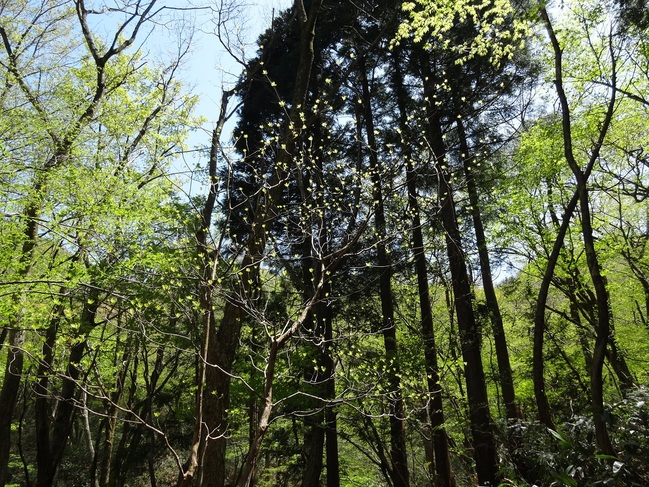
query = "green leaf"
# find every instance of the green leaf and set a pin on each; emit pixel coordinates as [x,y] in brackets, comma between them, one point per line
[566,479]
[564,441]
[602,456]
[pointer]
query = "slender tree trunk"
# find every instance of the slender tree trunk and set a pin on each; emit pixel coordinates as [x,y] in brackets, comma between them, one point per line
[275,345]
[113,469]
[220,346]
[619,364]
[52,443]
[443,469]
[264,417]
[42,402]
[642,279]
[538,362]
[85,415]
[586,302]
[603,328]
[9,396]
[442,462]
[502,354]
[484,442]
[400,473]
[253,396]
[152,385]
[584,336]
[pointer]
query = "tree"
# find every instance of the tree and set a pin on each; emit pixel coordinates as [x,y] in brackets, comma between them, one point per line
[599,282]
[442,465]
[74,139]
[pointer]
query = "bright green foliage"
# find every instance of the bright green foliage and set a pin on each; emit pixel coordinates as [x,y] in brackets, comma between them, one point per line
[90,225]
[500,31]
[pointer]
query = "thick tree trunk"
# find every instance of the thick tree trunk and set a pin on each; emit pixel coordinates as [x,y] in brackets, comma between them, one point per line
[314,441]
[219,359]
[331,425]
[206,460]
[318,376]
[314,437]
[322,424]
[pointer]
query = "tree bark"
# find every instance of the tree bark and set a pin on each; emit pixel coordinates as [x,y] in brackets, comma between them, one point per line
[331,424]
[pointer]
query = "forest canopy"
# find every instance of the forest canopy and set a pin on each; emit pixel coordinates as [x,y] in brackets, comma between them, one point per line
[417,257]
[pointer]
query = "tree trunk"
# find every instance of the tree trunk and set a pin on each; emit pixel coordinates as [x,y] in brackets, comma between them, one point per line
[400,473]
[66,408]
[219,359]
[42,402]
[264,418]
[220,346]
[443,472]
[114,469]
[314,422]
[331,431]
[484,442]
[9,396]
[314,230]
[599,281]
[502,354]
